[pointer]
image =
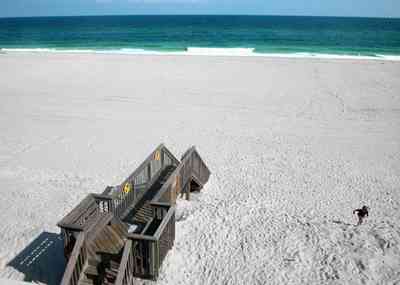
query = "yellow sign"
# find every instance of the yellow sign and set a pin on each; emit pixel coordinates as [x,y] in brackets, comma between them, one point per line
[157,155]
[127,188]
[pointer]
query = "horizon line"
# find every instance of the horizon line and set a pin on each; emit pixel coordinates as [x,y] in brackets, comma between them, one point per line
[217,15]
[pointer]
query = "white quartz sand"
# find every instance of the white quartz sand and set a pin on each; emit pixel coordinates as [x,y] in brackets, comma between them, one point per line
[294,146]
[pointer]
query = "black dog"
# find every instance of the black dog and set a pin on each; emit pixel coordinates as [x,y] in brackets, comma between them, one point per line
[361,213]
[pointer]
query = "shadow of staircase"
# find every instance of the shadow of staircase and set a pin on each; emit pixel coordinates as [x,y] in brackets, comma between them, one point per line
[42,260]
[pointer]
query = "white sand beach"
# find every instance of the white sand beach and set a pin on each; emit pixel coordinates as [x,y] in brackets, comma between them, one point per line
[294,146]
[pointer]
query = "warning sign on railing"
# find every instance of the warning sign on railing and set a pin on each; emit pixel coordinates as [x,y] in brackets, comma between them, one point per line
[127,188]
[157,155]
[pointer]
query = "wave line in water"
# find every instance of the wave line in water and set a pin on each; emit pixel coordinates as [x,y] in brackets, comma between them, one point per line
[200,51]
[220,51]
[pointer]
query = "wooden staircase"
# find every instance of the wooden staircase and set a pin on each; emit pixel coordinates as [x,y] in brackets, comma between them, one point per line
[96,240]
[100,253]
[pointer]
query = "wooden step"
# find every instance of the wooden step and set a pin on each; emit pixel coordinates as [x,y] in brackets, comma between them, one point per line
[108,240]
[94,260]
[91,270]
[84,280]
[144,214]
[110,275]
[114,265]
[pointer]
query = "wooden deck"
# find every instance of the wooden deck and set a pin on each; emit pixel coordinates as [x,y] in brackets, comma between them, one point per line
[99,244]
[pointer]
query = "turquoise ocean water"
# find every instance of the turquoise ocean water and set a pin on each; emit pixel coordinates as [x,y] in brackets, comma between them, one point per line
[252,34]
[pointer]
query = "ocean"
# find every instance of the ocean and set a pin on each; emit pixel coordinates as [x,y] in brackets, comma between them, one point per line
[239,35]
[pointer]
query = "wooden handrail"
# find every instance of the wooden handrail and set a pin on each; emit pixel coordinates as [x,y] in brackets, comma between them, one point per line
[133,236]
[193,150]
[70,227]
[160,204]
[173,158]
[101,196]
[75,263]
[71,220]
[169,182]
[164,223]
[123,265]
[125,200]
[122,212]
[171,179]
[80,210]
[144,164]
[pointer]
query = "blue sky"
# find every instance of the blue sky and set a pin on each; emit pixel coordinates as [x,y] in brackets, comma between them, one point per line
[371,8]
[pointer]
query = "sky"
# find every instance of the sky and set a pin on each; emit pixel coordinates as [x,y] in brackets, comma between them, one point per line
[359,8]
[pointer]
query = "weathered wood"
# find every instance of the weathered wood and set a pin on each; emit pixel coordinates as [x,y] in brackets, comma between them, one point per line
[127,202]
[160,204]
[123,277]
[184,170]
[166,219]
[131,206]
[101,196]
[167,237]
[75,263]
[82,210]
[101,222]
[133,236]
[145,163]
[97,219]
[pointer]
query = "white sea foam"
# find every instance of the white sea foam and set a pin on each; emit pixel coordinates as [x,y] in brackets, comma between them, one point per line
[28,50]
[200,51]
[221,51]
[45,50]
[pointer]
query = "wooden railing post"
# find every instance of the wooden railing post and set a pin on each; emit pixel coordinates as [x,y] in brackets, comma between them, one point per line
[76,262]
[125,270]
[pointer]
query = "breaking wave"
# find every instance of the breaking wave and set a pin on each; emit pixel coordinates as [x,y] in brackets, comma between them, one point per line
[201,51]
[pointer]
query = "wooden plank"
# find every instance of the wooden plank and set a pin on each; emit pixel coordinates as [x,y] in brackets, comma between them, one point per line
[169,182]
[99,224]
[134,236]
[70,270]
[76,212]
[160,204]
[70,227]
[161,227]
[102,197]
[123,263]
[147,226]
[185,166]
[171,156]
[150,185]
[145,163]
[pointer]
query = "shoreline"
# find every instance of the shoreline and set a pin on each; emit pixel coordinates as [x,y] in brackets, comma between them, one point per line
[209,52]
